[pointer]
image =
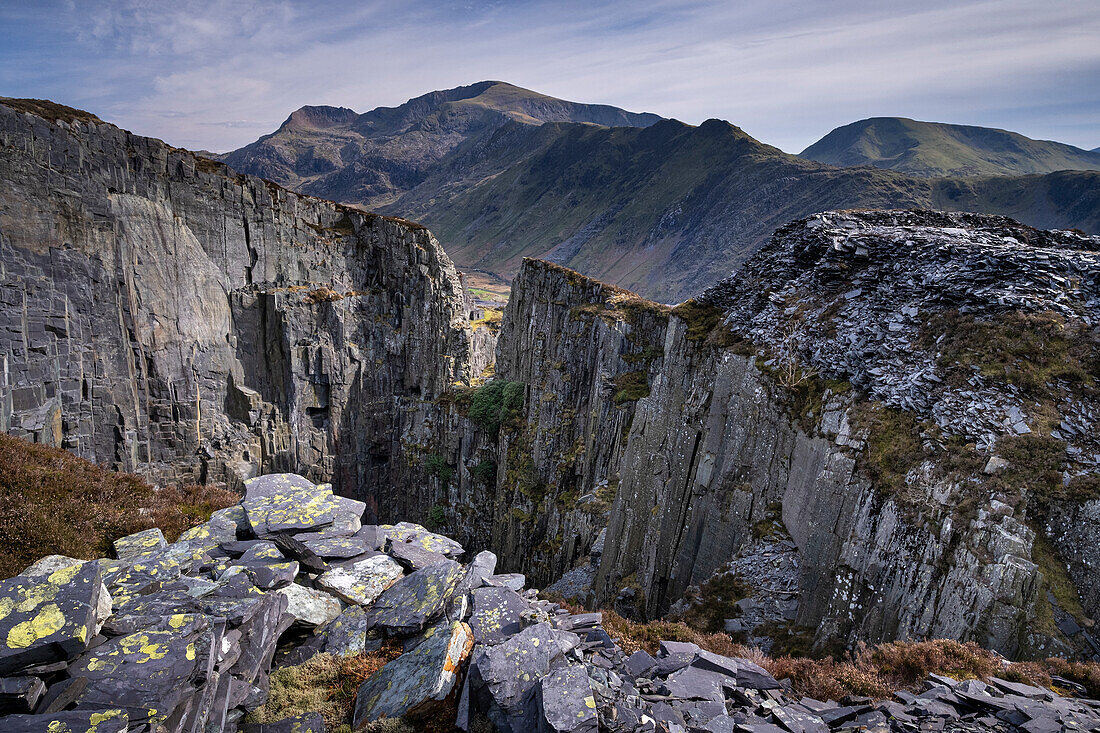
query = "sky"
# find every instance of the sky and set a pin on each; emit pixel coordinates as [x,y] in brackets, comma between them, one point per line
[217,74]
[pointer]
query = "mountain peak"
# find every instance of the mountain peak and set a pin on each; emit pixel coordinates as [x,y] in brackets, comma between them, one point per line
[319,117]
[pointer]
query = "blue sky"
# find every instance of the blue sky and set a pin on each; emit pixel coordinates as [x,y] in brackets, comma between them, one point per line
[217,74]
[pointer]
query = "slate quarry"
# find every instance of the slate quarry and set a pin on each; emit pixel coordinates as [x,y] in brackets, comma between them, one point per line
[191,649]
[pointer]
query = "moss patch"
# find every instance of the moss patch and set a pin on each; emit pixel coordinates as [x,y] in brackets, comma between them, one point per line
[630,387]
[715,602]
[1029,350]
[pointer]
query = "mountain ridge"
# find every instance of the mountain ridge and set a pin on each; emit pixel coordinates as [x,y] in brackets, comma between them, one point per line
[939,149]
[662,207]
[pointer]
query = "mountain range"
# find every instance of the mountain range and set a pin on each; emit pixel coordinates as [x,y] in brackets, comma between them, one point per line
[500,173]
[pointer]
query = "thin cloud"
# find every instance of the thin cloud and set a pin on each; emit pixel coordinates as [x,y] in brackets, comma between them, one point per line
[787,72]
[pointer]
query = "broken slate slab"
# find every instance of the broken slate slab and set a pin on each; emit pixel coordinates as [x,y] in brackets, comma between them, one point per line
[310,606]
[413,556]
[496,615]
[48,618]
[140,543]
[347,633]
[414,685]
[284,502]
[566,703]
[360,581]
[74,721]
[409,532]
[338,548]
[406,607]
[501,677]
[20,694]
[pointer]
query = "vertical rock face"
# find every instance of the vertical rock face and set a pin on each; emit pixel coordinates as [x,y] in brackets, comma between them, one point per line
[867,380]
[162,314]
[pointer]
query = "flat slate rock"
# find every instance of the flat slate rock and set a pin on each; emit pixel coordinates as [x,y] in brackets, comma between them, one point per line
[408,532]
[407,606]
[156,668]
[75,721]
[505,674]
[310,606]
[331,548]
[48,618]
[284,502]
[415,684]
[566,702]
[140,543]
[412,555]
[20,694]
[266,576]
[496,615]
[361,581]
[224,525]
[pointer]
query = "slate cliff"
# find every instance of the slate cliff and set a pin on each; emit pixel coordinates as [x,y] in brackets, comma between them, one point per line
[161,313]
[865,385]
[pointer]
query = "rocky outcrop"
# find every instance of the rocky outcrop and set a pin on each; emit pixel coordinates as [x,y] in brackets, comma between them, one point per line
[193,649]
[836,381]
[162,314]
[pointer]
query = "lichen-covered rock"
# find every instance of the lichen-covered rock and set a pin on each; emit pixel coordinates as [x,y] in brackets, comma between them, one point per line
[566,702]
[408,605]
[504,676]
[497,614]
[146,542]
[161,668]
[310,606]
[347,633]
[48,618]
[410,533]
[361,581]
[284,502]
[415,683]
[76,721]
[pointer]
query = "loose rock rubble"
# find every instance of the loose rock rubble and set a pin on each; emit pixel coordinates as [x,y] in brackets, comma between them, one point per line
[182,636]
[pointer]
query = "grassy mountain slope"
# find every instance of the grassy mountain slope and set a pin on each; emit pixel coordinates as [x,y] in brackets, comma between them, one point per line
[937,149]
[373,158]
[670,209]
[500,173]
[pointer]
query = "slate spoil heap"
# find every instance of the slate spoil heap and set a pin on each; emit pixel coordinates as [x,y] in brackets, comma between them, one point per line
[181,637]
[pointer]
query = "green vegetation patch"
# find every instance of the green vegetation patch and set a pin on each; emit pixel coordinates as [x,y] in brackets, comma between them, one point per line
[52,502]
[485,472]
[436,465]
[715,602]
[630,387]
[893,446]
[1029,350]
[497,403]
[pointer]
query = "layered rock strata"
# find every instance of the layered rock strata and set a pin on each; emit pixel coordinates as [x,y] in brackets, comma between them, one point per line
[160,313]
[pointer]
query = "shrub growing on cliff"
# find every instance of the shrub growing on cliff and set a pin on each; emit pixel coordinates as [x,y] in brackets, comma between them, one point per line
[52,502]
[496,403]
[630,386]
[436,465]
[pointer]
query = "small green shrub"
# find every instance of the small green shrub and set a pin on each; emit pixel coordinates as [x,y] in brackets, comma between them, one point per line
[437,518]
[497,403]
[630,386]
[485,472]
[436,465]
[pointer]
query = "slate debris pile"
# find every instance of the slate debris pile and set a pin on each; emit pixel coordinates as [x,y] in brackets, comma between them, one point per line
[848,291]
[183,636]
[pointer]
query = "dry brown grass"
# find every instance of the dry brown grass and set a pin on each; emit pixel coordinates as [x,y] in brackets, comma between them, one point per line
[872,671]
[325,684]
[52,502]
